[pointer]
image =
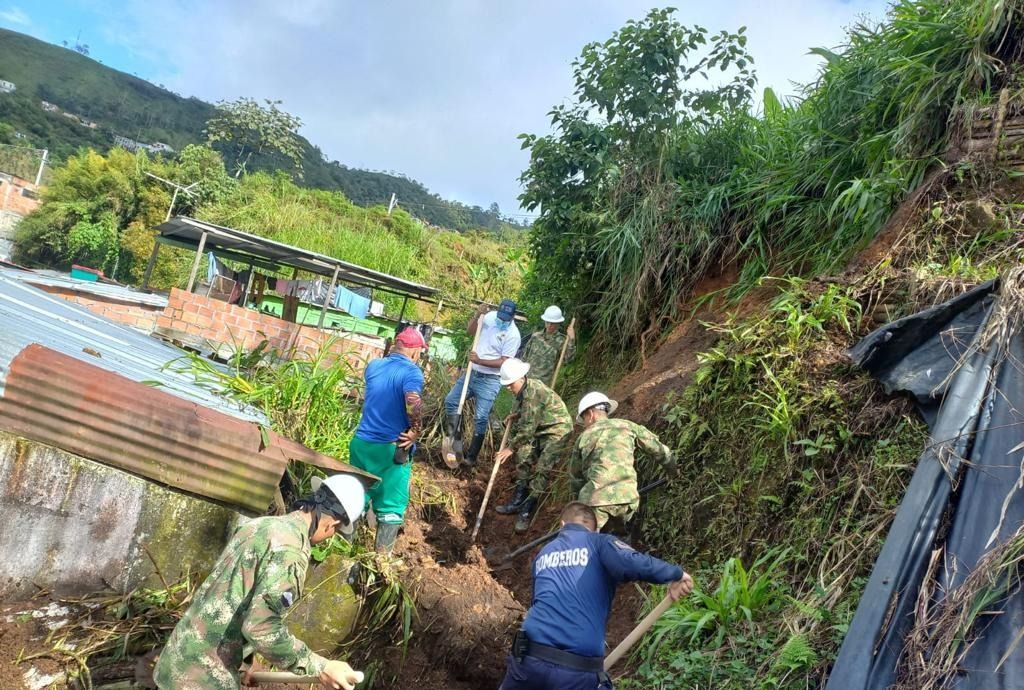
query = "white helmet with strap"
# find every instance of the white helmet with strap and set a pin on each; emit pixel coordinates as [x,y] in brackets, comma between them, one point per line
[594,398]
[512,370]
[350,494]
[552,314]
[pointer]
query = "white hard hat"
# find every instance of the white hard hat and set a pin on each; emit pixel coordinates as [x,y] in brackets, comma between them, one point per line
[350,494]
[552,315]
[512,370]
[594,398]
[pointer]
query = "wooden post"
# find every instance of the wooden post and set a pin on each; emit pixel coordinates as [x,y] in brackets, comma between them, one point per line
[149,266]
[248,287]
[195,263]
[437,312]
[401,314]
[327,300]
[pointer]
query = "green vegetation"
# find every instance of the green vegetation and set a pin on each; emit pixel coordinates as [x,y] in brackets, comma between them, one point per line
[100,210]
[123,104]
[676,178]
[246,129]
[805,488]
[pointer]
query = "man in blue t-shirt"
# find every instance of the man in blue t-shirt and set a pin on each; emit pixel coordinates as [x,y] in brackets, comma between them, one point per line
[386,436]
[561,643]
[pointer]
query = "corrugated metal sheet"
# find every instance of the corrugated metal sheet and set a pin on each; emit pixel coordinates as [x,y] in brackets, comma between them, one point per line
[121,293]
[29,315]
[99,407]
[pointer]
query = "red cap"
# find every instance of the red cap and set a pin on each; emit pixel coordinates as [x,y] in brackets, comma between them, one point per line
[411,338]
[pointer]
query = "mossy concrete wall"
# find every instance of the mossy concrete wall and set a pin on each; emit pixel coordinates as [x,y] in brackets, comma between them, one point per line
[326,614]
[71,525]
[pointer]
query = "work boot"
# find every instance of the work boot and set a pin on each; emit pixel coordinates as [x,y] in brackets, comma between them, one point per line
[518,497]
[526,514]
[469,459]
[386,536]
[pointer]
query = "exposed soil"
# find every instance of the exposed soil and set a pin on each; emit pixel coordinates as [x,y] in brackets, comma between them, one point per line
[24,628]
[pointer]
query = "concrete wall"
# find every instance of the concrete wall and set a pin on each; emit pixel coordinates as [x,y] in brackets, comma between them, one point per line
[72,525]
[139,316]
[228,327]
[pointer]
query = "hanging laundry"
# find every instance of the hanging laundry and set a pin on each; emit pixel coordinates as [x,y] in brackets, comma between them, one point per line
[355,304]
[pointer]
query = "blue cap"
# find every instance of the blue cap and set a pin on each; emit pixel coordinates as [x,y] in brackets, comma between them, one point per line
[507,310]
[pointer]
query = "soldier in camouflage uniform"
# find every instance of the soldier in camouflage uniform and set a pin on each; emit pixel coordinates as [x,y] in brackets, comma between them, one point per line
[544,347]
[540,433]
[238,609]
[602,470]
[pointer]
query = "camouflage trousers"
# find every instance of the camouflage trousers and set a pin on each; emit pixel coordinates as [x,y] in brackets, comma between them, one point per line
[535,469]
[606,513]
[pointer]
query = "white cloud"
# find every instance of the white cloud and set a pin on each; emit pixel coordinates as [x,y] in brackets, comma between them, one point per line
[437,90]
[16,16]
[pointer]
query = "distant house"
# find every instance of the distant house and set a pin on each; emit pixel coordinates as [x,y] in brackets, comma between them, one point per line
[159,147]
[49,107]
[128,144]
[7,86]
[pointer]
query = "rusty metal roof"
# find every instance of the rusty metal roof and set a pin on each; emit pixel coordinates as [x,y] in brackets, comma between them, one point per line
[74,380]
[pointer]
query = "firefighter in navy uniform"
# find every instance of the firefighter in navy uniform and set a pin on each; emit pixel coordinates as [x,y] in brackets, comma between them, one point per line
[561,643]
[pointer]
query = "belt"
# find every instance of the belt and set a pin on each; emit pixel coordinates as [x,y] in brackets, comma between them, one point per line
[523,646]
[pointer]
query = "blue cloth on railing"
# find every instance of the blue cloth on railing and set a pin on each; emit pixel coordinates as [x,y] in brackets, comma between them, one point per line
[356,305]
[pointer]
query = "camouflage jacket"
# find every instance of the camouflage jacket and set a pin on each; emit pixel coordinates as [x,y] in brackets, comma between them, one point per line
[540,415]
[542,352]
[239,608]
[602,469]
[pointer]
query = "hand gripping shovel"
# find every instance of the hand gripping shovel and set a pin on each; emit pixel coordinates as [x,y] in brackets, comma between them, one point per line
[451,446]
[638,632]
[490,484]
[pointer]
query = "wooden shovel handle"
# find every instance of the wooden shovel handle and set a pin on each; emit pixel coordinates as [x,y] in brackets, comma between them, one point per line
[561,355]
[637,632]
[469,364]
[282,677]
[490,484]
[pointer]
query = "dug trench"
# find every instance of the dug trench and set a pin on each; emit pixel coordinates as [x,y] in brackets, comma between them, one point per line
[466,613]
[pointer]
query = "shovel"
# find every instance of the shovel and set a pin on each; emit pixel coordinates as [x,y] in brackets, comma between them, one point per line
[490,484]
[145,666]
[561,355]
[451,446]
[638,632]
[505,562]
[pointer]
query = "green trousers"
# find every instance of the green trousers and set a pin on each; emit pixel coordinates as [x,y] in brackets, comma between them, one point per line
[390,496]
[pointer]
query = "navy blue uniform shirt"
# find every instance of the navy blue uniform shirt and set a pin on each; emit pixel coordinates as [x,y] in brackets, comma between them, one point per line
[387,382]
[574,581]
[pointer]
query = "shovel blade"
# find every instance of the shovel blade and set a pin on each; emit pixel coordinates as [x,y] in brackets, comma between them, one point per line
[451,446]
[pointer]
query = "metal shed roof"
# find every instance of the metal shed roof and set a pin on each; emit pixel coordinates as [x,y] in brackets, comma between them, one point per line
[74,380]
[242,246]
[29,315]
[110,291]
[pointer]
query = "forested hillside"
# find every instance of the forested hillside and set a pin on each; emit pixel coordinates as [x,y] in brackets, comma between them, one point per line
[119,103]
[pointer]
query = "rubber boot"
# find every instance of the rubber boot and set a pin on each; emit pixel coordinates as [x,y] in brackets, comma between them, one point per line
[386,536]
[449,424]
[526,514]
[518,497]
[469,459]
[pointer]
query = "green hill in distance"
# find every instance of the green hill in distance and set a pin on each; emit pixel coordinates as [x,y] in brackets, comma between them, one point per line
[108,102]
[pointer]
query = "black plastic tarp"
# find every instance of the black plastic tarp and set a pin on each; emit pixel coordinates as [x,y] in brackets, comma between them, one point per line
[973,400]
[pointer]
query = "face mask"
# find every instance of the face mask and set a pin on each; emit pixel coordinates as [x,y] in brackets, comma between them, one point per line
[503,325]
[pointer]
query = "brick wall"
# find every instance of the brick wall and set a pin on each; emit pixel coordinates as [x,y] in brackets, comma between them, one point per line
[12,199]
[139,316]
[227,327]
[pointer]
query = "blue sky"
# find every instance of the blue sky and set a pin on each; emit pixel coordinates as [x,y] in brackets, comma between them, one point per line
[437,90]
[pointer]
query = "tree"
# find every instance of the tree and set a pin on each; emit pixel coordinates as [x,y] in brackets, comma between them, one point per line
[243,128]
[603,180]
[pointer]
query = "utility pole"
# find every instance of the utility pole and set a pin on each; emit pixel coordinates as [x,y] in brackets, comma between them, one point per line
[174,197]
[391,204]
[42,164]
